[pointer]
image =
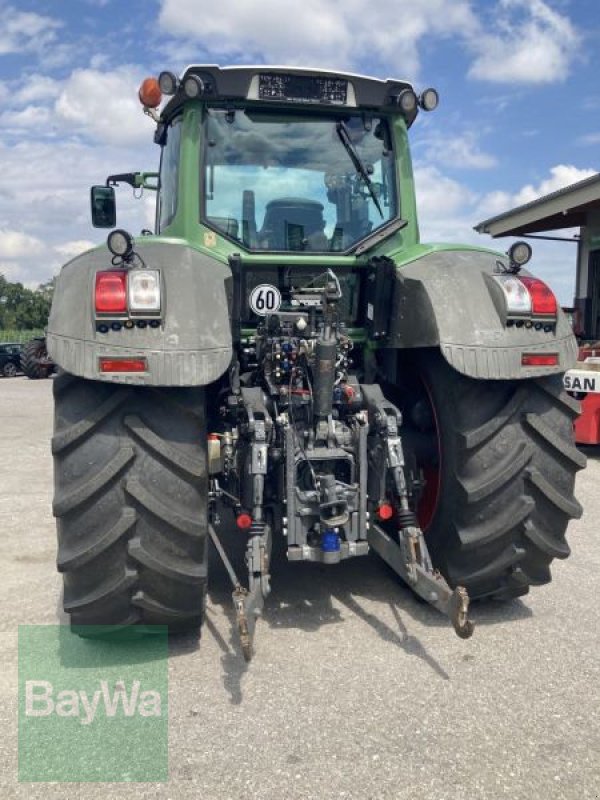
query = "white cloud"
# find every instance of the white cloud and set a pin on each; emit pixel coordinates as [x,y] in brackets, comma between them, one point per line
[25,31]
[524,41]
[36,88]
[448,210]
[560,176]
[15,244]
[30,117]
[532,43]
[104,105]
[339,32]
[456,149]
[47,184]
[74,248]
[554,262]
[438,196]
[95,104]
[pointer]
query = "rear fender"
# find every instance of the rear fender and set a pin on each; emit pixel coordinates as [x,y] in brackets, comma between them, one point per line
[192,346]
[447,299]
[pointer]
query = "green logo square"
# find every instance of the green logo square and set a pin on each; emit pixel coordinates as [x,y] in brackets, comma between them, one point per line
[93,709]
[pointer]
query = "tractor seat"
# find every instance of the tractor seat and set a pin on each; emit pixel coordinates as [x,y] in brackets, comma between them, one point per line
[293,223]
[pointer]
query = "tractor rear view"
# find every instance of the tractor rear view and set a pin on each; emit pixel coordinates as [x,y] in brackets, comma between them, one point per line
[285,357]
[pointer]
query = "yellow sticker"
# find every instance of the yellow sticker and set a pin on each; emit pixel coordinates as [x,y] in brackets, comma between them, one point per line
[210,239]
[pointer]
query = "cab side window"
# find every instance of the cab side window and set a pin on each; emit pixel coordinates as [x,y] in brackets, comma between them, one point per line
[169,176]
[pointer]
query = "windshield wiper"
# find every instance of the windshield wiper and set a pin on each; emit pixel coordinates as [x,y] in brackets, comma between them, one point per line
[344,134]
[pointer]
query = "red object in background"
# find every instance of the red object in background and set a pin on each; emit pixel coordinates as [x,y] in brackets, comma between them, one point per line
[589,350]
[587,426]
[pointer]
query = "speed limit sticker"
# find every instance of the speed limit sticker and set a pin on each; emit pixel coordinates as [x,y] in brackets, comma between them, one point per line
[265,299]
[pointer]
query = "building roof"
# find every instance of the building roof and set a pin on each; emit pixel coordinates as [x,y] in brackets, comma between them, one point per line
[565,208]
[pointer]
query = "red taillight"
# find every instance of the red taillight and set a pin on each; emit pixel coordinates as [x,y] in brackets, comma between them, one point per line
[110,296]
[243,521]
[123,364]
[539,359]
[385,511]
[542,298]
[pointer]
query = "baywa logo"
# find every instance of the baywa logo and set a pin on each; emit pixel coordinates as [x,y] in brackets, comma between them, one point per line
[40,701]
[92,709]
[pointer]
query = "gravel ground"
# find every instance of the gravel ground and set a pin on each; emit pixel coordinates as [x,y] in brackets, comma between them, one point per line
[356,690]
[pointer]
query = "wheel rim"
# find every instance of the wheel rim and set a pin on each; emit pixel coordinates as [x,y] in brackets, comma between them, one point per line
[10,370]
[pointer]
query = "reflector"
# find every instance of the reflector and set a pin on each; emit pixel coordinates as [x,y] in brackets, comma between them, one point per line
[243,521]
[539,359]
[118,364]
[385,511]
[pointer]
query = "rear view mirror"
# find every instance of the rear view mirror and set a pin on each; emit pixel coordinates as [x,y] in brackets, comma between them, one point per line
[104,208]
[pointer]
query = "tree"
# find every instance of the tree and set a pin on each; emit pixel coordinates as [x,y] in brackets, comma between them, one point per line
[22,308]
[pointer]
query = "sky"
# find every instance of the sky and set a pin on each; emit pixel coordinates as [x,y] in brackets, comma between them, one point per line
[519,112]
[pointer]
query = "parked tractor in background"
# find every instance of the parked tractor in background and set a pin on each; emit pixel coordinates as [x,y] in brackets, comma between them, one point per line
[285,358]
[35,361]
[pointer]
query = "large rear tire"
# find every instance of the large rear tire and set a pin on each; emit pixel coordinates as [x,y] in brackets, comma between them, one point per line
[131,503]
[505,478]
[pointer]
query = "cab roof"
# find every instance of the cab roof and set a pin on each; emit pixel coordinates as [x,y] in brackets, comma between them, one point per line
[293,87]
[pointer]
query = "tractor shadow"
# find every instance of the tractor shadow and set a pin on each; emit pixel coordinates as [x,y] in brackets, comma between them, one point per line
[310,596]
[590,451]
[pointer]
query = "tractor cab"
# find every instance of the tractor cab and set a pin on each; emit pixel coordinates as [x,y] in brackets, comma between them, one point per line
[264,160]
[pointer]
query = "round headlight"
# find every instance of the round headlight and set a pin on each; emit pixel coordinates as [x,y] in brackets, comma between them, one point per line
[167,82]
[193,87]
[407,100]
[429,100]
[519,253]
[120,243]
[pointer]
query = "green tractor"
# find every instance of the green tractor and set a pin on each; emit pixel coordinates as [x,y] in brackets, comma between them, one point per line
[285,359]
